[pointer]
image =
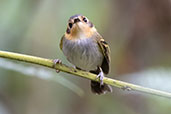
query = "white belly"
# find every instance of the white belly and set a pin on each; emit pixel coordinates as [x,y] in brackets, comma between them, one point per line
[84,53]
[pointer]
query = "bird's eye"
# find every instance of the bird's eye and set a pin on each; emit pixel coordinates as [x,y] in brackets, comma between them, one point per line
[70,25]
[85,20]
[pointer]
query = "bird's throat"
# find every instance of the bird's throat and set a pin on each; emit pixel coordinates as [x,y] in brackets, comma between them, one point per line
[79,33]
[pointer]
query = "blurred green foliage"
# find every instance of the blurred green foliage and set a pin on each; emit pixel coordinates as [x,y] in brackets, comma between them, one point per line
[138,33]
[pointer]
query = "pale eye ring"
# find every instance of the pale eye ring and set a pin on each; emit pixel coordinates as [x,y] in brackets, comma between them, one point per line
[85,20]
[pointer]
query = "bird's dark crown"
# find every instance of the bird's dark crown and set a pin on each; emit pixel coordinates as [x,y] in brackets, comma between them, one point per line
[74,16]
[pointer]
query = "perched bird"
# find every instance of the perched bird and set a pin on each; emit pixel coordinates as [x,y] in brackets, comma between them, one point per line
[85,48]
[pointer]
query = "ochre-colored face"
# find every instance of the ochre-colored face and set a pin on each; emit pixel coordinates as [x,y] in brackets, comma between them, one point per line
[78,26]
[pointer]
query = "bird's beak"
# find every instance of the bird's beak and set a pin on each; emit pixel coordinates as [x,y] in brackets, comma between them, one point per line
[76,20]
[77,23]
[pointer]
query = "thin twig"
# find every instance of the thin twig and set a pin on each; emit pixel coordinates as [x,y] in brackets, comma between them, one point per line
[87,75]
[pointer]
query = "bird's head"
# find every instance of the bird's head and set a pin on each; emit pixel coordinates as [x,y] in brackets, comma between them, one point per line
[79,27]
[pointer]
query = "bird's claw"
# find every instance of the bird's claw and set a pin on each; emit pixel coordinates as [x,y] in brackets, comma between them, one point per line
[100,76]
[57,61]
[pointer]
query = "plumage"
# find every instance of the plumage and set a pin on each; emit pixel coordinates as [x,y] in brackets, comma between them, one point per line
[86,49]
[83,53]
[106,53]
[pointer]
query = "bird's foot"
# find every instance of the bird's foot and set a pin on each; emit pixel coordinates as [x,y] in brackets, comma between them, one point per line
[57,61]
[100,76]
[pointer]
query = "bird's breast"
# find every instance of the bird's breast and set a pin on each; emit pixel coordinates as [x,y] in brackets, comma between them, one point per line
[83,53]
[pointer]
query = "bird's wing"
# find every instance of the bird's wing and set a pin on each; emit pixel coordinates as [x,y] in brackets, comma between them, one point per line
[106,52]
[61,43]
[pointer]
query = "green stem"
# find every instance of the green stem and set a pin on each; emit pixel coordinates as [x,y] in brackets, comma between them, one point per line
[87,75]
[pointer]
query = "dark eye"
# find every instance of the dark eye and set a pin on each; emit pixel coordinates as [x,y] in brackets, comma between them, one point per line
[85,20]
[70,25]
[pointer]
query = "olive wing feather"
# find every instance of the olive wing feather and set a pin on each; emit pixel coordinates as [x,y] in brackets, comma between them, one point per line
[106,52]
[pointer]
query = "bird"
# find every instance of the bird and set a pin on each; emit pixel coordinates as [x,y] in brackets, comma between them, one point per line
[86,49]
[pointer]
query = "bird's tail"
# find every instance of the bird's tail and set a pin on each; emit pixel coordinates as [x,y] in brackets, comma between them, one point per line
[100,89]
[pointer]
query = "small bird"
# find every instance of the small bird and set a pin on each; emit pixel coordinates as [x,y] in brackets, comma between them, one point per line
[85,48]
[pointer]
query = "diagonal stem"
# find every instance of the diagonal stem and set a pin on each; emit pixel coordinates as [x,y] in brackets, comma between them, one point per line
[87,75]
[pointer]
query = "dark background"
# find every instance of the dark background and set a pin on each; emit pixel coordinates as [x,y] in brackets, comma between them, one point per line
[138,33]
